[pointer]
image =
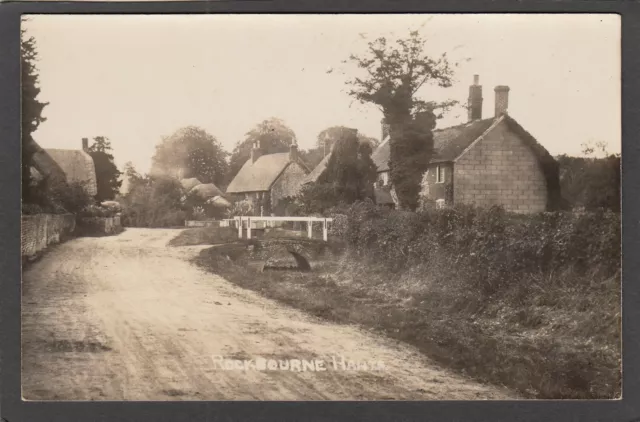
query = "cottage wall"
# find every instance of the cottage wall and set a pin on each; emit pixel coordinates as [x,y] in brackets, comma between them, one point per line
[432,190]
[500,170]
[288,184]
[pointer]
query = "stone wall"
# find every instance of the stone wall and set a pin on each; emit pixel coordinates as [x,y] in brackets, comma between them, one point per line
[431,190]
[99,226]
[41,230]
[203,223]
[500,170]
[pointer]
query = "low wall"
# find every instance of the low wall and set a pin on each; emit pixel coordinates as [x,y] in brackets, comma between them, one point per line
[98,226]
[203,223]
[41,230]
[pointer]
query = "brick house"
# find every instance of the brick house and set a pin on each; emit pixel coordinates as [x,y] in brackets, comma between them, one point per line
[485,162]
[269,180]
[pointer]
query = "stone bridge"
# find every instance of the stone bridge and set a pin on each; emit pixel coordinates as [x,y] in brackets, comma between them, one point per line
[291,254]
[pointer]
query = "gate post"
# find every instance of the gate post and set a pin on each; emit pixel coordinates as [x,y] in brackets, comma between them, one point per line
[239,221]
[324,230]
[249,228]
[310,228]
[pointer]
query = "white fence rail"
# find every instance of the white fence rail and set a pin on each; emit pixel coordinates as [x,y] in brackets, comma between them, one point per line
[254,222]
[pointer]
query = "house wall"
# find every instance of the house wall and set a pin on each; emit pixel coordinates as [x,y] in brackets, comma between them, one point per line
[500,170]
[288,184]
[431,190]
[383,177]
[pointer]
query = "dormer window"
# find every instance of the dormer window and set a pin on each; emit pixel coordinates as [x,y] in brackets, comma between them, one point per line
[440,173]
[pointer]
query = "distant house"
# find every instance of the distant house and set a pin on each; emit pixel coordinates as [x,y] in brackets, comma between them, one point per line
[71,165]
[268,180]
[485,162]
[382,194]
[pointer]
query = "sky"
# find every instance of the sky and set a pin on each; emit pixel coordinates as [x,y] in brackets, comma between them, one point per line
[137,78]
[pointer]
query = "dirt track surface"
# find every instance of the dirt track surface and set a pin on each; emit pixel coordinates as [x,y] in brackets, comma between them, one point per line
[128,318]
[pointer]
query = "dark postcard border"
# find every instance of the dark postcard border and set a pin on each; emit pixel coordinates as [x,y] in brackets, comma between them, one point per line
[13,409]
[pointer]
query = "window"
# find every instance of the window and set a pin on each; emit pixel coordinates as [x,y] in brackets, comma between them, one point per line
[440,174]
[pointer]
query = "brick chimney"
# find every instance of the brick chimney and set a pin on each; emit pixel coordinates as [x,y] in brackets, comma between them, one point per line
[293,151]
[385,129]
[256,151]
[85,144]
[502,99]
[475,99]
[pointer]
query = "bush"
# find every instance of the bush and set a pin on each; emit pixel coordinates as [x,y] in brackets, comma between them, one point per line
[485,247]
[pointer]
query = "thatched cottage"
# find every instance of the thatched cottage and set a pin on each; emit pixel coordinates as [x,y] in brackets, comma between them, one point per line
[485,162]
[70,165]
[268,180]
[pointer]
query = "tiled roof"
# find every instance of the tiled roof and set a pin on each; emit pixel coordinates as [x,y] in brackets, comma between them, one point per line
[448,143]
[259,176]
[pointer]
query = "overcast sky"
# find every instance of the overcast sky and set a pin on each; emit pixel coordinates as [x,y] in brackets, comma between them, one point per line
[135,79]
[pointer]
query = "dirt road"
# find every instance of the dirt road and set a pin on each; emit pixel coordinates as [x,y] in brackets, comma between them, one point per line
[128,318]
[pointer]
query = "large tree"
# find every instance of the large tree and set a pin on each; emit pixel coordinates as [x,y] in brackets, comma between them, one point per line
[392,74]
[191,152]
[330,135]
[349,176]
[273,136]
[107,174]
[32,107]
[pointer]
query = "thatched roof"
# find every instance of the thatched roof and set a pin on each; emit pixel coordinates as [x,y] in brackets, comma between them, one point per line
[75,165]
[206,190]
[448,143]
[189,184]
[317,171]
[219,201]
[259,176]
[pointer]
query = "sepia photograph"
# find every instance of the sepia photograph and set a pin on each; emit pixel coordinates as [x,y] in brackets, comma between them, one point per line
[321,207]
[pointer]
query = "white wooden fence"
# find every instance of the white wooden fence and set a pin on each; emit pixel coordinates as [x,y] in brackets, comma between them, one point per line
[254,222]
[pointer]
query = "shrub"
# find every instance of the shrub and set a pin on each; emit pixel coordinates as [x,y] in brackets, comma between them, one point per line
[486,247]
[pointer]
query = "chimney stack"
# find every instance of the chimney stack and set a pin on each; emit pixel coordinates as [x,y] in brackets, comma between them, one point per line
[256,152]
[502,99]
[85,144]
[293,151]
[385,129]
[475,99]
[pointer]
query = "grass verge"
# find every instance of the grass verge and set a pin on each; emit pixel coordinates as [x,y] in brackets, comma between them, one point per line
[560,343]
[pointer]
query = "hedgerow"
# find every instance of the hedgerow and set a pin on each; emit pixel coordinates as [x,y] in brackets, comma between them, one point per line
[485,247]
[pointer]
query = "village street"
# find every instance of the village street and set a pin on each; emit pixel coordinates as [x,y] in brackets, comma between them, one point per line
[128,318]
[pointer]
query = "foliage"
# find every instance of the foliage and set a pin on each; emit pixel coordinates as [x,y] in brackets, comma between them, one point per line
[153,202]
[107,174]
[411,148]
[350,170]
[32,107]
[272,135]
[590,183]
[393,75]
[98,211]
[57,198]
[315,198]
[330,135]
[241,208]
[191,152]
[486,247]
